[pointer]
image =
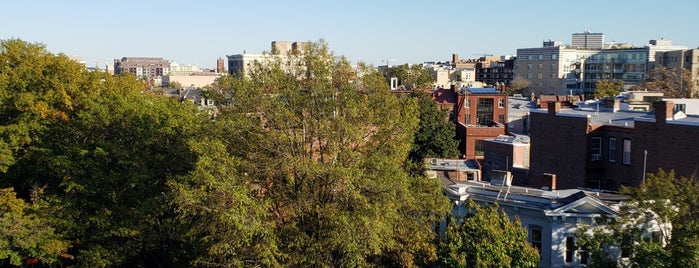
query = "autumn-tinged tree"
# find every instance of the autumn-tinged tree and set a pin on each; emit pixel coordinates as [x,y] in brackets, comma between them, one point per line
[608,88]
[518,86]
[486,238]
[667,81]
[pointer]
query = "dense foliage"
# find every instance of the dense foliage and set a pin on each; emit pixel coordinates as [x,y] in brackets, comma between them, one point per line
[435,135]
[486,238]
[305,166]
[411,76]
[608,88]
[662,198]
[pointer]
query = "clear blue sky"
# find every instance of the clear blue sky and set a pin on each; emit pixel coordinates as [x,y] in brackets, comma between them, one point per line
[199,32]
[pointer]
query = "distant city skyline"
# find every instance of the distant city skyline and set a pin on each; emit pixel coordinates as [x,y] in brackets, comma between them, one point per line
[375,32]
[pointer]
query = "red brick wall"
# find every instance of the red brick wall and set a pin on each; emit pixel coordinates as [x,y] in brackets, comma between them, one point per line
[469,136]
[670,146]
[472,109]
[559,145]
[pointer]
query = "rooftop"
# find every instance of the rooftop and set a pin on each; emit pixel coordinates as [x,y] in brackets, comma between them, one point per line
[526,196]
[625,118]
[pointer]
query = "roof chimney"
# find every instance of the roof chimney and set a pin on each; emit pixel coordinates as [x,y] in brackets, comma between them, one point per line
[548,181]
[554,107]
[454,58]
[663,111]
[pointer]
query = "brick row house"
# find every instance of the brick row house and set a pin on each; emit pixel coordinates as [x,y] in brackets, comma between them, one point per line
[480,114]
[605,150]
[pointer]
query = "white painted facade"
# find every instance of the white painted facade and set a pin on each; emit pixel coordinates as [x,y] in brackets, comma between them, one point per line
[551,217]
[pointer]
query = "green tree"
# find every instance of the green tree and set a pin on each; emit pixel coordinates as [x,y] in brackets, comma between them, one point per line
[435,136]
[25,234]
[608,88]
[101,148]
[238,231]
[326,148]
[108,169]
[175,84]
[486,238]
[411,76]
[663,199]
[675,200]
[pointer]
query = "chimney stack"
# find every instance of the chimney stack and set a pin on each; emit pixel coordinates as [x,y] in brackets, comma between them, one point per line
[664,110]
[554,107]
[548,181]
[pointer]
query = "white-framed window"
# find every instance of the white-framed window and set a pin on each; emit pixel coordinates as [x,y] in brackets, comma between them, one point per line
[626,157]
[596,148]
[501,103]
[612,150]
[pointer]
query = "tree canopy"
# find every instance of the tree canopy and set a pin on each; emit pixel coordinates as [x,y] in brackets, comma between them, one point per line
[304,166]
[662,199]
[435,136]
[325,147]
[608,88]
[672,82]
[486,238]
[411,76]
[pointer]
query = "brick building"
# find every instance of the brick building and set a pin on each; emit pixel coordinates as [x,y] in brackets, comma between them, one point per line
[148,67]
[605,149]
[480,113]
[495,70]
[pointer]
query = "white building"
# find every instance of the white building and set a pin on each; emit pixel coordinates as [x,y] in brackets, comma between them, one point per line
[177,69]
[551,217]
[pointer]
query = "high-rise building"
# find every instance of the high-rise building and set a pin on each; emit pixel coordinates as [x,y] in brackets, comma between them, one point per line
[558,69]
[588,40]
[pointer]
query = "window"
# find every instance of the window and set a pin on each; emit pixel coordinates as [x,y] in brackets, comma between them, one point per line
[570,248]
[539,76]
[501,103]
[467,119]
[612,150]
[596,148]
[479,147]
[484,111]
[626,158]
[529,66]
[554,56]
[535,237]
[501,119]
